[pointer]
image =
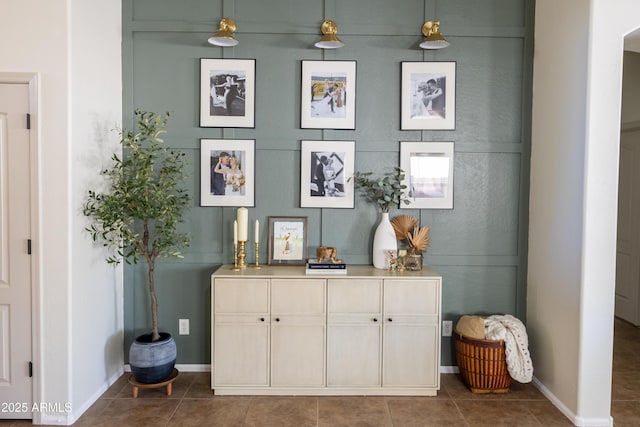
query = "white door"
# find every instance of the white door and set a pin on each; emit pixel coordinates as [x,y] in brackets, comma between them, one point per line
[15,262]
[628,241]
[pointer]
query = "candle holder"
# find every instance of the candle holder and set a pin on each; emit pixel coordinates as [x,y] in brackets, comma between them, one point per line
[235,258]
[242,255]
[257,264]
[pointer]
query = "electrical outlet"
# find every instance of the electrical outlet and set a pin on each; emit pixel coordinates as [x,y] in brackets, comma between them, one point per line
[183,326]
[447,328]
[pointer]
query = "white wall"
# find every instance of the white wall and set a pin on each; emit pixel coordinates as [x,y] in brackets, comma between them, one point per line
[95,84]
[574,179]
[35,36]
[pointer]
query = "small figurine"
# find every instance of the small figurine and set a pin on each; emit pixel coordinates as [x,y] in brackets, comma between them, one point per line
[328,255]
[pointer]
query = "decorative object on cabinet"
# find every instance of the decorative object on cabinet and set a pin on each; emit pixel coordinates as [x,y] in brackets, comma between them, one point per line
[416,237]
[287,240]
[429,174]
[428,96]
[128,222]
[227,92]
[324,171]
[224,36]
[329,39]
[433,38]
[385,192]
[328,95]
[227,172]
[281,332]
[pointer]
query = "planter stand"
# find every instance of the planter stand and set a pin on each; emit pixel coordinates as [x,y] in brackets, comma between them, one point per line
[166,383]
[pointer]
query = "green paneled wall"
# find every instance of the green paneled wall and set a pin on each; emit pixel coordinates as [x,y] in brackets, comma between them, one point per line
[479,247]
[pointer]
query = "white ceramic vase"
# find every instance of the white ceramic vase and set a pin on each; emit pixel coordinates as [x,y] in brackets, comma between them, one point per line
[384,240]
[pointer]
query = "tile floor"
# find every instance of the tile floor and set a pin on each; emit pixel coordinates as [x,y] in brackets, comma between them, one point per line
[193,404]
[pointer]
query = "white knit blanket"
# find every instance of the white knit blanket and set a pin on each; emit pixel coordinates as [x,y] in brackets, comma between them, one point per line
[511,330]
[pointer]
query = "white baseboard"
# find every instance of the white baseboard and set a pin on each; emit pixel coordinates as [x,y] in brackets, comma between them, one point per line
[449,370]
[575,419]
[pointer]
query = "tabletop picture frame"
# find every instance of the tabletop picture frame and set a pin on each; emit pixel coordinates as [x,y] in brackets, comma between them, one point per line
[287,240]
[227,172]
[428,170]
[227,92]
[328,95]
[428,96]
[324,174]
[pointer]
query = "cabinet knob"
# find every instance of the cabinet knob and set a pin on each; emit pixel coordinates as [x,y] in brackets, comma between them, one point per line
[262,319]
[375,319]
[389,319]
[277,319]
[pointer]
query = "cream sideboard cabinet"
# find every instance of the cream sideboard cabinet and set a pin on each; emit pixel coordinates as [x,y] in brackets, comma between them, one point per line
[371,332]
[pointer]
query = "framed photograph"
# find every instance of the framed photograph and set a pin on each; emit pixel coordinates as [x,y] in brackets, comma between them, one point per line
[328,95]
[227,172]
[428,95]
[287,240]
[428,170]
[227,93]
[325,168]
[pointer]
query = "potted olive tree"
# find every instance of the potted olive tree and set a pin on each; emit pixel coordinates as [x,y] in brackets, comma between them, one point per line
[385,192]
[137,218]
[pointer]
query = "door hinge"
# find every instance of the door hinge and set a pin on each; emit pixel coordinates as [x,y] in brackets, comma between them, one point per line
[29,247]
[30,369]
[28,121]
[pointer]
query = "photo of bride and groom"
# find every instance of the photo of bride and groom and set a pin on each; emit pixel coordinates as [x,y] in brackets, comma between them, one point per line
[227,177]
[327,177]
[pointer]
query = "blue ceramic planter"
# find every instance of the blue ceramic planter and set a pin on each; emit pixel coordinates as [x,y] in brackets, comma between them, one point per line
[152,362]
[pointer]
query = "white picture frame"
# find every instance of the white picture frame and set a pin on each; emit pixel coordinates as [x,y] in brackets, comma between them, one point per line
[324,174]
[428,168]
[428,96]
[328,95]
[227,92]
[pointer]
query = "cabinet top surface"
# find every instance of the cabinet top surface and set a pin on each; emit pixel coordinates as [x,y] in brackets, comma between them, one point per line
[353,271]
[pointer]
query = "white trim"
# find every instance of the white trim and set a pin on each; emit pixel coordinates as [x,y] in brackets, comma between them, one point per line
[449,370]
[32,79]
[576,420]
[78,412]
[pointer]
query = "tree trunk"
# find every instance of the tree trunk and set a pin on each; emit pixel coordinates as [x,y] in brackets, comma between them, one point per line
[155,335]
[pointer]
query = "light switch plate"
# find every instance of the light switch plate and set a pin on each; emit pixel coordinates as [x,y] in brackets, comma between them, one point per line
[183,326]
[447,328]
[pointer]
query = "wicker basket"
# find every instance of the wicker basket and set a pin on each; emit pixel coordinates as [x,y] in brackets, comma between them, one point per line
[482,364]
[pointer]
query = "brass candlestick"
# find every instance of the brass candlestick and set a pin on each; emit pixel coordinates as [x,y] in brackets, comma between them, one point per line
[235,258]
[242,255]
[257,265]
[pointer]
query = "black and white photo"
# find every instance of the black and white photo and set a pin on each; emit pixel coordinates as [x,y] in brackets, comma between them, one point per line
[428,95]
[328,94]
[325,171]
[227,93]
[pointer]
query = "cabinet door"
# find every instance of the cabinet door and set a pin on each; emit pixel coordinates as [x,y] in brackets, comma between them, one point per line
[241,332]
[241,355]
[354,319]
[411,333]
[298,332]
